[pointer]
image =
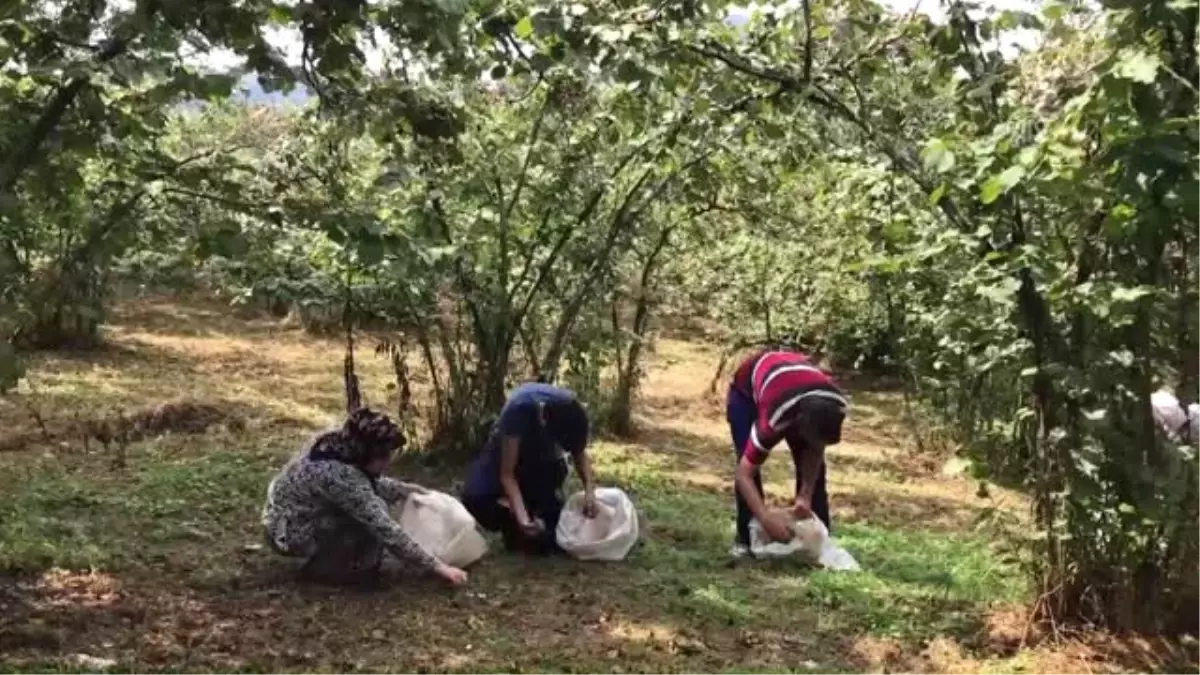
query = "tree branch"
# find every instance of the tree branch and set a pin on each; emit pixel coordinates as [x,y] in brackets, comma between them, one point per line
[249,208]
[529,143]
[806,6]
[20,159]
[741,65]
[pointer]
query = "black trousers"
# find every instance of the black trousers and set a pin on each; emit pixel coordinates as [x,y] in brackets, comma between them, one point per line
[347,553]
[741,413]
[541,489]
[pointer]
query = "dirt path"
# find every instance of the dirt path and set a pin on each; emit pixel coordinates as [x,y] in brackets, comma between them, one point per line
[156,565]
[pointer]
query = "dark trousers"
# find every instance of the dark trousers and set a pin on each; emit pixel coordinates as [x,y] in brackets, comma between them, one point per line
[741,412]
[541,490]
[347,553]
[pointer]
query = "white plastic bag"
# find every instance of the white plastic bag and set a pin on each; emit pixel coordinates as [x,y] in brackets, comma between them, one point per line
[1171,416]
[443,526]
[811,542]
[608,536]
[1173,419]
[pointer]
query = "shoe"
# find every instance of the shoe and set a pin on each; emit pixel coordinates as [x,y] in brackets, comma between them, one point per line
[739,551]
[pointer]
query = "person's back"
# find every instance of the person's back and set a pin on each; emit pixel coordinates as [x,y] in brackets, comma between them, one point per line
[515,484]
[518,417]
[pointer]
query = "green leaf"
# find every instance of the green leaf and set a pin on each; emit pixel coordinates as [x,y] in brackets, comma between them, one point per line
[1137,65]
[524,28]
[217,86]
[990,190]
[227,242]
[1055,10]
[935,197]
[437,253]
[895,230]
[370,251]
[937,156]
[1002,292]
[628,71]
[541,62]
[1000,183]
[1130,293]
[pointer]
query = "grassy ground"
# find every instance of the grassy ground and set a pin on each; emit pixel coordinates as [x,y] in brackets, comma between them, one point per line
[156,565]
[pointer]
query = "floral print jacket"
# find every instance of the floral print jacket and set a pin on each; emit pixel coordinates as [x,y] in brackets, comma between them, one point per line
[314,492]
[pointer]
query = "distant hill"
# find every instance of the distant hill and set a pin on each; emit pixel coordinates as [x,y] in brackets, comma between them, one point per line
[251,91]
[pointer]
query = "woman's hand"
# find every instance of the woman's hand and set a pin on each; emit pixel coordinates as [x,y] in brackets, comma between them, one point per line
[778,527]
[452,575]
[589,504]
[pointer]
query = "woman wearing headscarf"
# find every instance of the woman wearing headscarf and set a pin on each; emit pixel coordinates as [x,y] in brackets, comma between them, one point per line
[330,505]
[515,484]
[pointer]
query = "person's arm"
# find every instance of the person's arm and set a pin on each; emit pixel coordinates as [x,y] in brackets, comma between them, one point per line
[350,490]
[583,464]
[744,478]
[762,438]
[510,452]
[393,490]
[809,458]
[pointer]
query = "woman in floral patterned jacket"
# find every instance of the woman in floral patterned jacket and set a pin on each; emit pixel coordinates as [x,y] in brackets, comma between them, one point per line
[330,505]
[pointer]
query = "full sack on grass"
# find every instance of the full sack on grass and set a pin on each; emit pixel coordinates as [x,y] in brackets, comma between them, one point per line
[444,527]
[811,542]
[609,536]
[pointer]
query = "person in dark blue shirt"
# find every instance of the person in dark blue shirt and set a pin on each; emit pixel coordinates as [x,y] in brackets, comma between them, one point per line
[514,486]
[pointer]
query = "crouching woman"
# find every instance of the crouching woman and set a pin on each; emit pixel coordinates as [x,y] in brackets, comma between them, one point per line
[330,505]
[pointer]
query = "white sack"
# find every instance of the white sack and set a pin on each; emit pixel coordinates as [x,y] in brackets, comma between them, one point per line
[1171,416]
[1173,419]
[811,542]
[608,536]
[443,526]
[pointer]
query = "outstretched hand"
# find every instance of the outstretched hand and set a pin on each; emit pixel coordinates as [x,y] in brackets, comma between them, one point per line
[452,575]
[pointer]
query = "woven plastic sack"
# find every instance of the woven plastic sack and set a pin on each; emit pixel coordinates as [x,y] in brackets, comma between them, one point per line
[1171,416]
[811,542]
[608,536]
[1173,419]
[444,527]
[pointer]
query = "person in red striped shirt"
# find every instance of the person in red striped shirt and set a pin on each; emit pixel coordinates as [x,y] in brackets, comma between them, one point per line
[781,395]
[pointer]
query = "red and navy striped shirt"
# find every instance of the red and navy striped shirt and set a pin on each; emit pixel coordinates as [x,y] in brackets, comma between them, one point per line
[775,381]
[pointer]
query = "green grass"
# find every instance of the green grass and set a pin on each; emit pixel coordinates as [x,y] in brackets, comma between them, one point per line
[182,513]
[915,585]
[161,565]
[84,515]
